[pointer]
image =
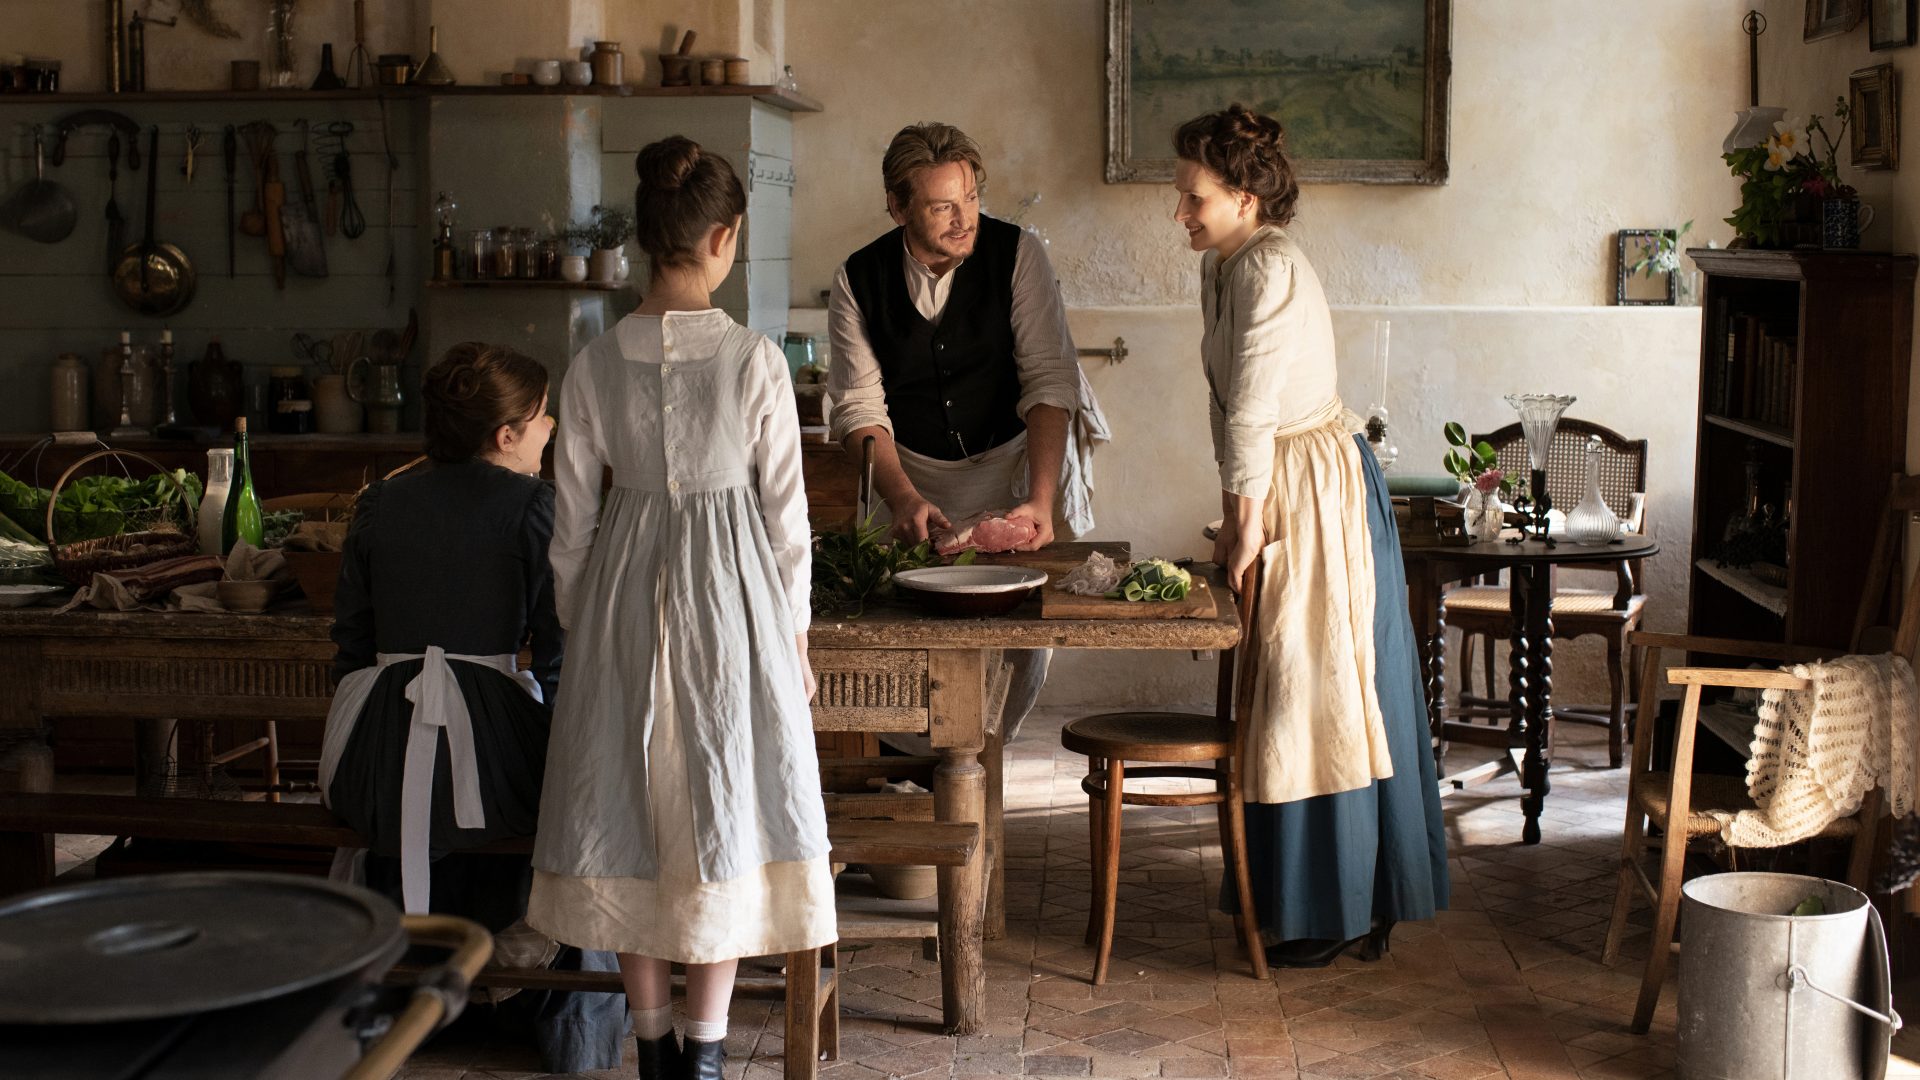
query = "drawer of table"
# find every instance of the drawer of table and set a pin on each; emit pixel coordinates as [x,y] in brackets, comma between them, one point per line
[870,690]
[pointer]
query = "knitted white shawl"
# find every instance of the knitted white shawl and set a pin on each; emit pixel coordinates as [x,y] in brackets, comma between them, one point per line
[1818,752]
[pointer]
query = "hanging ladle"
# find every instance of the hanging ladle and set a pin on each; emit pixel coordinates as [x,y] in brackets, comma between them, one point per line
[41,209]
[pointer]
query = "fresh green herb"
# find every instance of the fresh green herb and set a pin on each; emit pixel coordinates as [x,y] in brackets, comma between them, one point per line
[852,567]
[95,506]
[1153,579]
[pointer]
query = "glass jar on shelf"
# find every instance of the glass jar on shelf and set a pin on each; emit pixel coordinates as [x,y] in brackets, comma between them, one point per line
[506,252]
[480,254]
[529,255]
[549,259]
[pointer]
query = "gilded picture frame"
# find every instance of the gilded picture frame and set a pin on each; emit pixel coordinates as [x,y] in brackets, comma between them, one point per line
[1890,24]
[1874,104]
[1830,18]
[1369,82]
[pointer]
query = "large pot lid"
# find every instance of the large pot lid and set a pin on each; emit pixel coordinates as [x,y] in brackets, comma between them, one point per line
[141,948]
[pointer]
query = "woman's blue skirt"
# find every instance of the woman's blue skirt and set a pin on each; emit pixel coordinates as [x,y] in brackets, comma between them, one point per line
[1326,867]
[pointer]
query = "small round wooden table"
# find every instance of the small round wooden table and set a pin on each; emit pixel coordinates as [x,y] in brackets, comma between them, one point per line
[1530,681]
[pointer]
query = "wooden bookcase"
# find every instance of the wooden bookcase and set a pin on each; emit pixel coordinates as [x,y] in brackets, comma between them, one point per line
[1804,368]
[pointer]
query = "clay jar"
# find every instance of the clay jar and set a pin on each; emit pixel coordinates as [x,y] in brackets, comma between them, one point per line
[334,410]
[608,63]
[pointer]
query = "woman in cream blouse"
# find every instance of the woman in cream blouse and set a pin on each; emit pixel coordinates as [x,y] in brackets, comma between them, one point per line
[1344,833]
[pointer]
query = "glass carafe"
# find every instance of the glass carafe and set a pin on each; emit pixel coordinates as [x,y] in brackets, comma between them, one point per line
[1593,521]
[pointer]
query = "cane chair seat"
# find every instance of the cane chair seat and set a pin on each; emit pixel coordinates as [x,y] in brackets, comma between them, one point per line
[1712,795]
[1567,603]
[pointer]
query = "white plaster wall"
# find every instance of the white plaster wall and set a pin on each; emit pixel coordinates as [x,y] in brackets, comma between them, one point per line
[1569,122]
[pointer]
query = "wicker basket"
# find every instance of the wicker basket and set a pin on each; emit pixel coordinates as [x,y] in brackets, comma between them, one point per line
[78,562]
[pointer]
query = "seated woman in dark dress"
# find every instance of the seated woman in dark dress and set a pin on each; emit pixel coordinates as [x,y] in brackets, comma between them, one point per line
[437,741]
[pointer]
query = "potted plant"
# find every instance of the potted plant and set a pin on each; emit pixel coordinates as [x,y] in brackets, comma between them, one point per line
[605,234]
[1783,183]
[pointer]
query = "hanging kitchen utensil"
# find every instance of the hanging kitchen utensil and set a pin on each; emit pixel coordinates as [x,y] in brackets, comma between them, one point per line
[393,166]
[229,155]
[41,209]
[273,196]
[306,251]
[153,278]
[72,122]
[260,136]
[343,210]
[116,224]
[189,164]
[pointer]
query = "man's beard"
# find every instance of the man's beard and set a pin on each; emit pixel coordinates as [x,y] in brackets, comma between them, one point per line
[936,243]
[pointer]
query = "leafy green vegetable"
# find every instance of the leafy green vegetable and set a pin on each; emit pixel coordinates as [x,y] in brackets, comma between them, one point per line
[1153,579]
[1812,905]
[95,506]
[852,567]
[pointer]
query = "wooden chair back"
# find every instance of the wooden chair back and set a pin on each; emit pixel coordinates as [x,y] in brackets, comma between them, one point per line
[1623,479]
[1896,515]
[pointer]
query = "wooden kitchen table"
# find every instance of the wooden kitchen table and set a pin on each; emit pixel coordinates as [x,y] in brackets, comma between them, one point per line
[894,669]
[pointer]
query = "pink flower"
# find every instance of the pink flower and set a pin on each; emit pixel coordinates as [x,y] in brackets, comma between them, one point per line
[1487,482]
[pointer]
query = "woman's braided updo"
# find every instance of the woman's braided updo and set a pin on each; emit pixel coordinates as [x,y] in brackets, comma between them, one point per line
[1248,152]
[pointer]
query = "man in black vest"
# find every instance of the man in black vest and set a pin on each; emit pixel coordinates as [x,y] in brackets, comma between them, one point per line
[950,348]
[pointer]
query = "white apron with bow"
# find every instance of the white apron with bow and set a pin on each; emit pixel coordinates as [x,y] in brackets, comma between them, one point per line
[437,703]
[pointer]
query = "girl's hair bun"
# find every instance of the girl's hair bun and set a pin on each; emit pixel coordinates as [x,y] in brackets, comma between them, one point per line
[665,165]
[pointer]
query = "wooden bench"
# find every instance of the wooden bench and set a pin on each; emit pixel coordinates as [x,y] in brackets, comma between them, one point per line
[811,986]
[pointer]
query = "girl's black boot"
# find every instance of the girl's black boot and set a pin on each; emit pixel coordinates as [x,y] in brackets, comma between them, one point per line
[660,1059]
[704,1060]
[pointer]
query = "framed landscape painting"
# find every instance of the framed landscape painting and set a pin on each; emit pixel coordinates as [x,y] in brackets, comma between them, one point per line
[1361,85]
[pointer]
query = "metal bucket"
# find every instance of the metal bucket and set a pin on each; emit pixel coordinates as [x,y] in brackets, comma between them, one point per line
[1765,995]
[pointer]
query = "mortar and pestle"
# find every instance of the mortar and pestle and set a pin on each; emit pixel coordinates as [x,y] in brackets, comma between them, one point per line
[676,68]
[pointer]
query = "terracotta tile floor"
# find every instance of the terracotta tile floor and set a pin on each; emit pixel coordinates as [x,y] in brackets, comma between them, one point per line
[1506,984]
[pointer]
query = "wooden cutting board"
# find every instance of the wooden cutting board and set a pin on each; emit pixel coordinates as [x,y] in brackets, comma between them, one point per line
[1199,604]
[1057,559]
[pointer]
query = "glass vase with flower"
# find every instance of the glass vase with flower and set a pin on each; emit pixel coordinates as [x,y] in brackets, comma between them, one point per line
[1476,467]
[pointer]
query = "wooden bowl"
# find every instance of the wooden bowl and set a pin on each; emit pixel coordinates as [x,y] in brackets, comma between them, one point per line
[905,882]
[970,591]
[246,597]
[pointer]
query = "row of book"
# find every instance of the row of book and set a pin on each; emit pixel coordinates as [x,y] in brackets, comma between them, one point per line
[1754,378]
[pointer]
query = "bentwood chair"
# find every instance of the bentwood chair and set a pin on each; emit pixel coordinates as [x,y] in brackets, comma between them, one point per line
[1682,806]
[1174,744]
[1482,612]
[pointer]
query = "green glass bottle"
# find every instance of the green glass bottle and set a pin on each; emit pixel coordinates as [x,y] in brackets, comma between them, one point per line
[243,519]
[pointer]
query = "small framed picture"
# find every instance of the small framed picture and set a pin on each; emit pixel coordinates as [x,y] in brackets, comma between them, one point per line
[1890,24]
[1874,97]
[1829,18]
[1643,259]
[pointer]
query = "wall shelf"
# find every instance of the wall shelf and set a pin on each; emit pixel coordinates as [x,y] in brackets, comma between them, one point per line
[533,283]
[1763,432]
[1771,597]
[791,101]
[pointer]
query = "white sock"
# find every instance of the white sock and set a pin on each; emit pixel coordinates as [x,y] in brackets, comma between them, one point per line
[651,1024]
[706,1031]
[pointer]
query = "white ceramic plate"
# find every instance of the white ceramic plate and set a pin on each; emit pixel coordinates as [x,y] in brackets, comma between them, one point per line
[19,596]
[972,580]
